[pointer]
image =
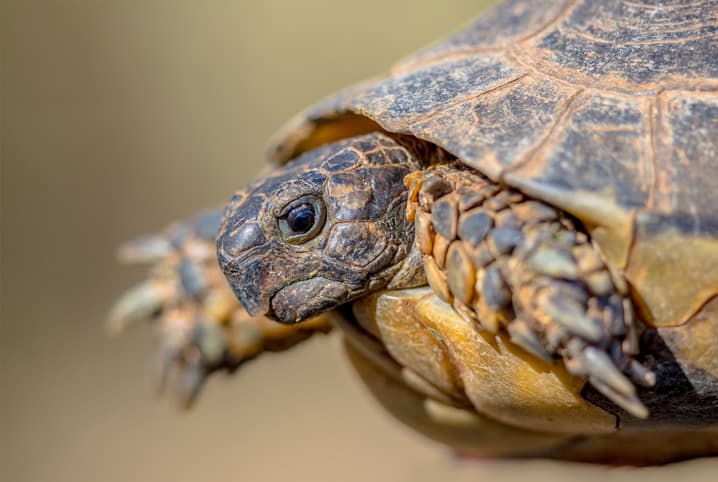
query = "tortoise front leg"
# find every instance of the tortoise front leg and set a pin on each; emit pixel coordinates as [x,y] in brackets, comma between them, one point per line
[506,262]
[202,327]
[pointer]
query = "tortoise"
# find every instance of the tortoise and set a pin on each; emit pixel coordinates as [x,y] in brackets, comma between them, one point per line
[515,230]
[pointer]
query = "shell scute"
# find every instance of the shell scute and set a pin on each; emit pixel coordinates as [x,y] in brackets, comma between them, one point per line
[631,48]
[674,260]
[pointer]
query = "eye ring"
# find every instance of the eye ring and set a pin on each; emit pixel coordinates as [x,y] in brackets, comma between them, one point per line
[302,219]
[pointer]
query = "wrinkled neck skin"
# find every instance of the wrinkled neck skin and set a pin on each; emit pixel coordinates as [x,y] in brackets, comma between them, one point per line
[325,229]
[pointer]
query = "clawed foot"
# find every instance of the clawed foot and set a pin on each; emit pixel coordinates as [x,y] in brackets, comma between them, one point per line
[506,262]
[202,327]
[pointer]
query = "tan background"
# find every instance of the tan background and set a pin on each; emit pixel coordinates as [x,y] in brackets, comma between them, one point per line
[118,116]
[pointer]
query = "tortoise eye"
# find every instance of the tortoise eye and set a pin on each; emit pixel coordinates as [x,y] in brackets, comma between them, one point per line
[302,219]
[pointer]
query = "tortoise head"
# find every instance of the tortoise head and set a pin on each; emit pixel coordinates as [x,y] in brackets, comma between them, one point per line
[324,229]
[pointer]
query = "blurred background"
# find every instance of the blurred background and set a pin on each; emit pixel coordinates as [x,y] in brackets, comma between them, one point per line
[119,116]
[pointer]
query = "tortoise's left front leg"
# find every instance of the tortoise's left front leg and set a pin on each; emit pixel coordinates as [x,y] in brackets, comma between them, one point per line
[202,327]
[507,262]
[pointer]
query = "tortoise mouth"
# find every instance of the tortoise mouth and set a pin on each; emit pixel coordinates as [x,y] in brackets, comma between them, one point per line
[304,299]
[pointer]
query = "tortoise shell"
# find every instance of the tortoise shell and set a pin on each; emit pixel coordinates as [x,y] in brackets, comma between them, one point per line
[606,110]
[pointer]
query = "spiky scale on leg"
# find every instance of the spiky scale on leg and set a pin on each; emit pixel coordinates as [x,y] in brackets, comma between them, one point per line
[534,274]
[201,326]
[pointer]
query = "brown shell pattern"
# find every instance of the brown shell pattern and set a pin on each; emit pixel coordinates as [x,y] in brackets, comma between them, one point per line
[606,110]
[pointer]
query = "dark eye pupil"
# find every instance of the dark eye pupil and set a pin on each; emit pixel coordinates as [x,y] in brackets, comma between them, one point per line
[301,218]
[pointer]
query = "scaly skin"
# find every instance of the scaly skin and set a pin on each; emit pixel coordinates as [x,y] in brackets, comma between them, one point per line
[202,328]
[507,262]
[502,261]
[536,275]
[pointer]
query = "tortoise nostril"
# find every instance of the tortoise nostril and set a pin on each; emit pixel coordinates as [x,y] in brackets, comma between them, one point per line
[241,239]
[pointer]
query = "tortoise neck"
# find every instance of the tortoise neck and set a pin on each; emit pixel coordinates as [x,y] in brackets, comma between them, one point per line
[424,152]
[410,272]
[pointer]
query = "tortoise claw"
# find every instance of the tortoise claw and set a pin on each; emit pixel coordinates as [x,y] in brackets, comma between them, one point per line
[191,348]
[144,249]
[139,303]
[641,375]
[600,367]
[629,402]
[192,380]
[522,335]
[605,377]
[187,381]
